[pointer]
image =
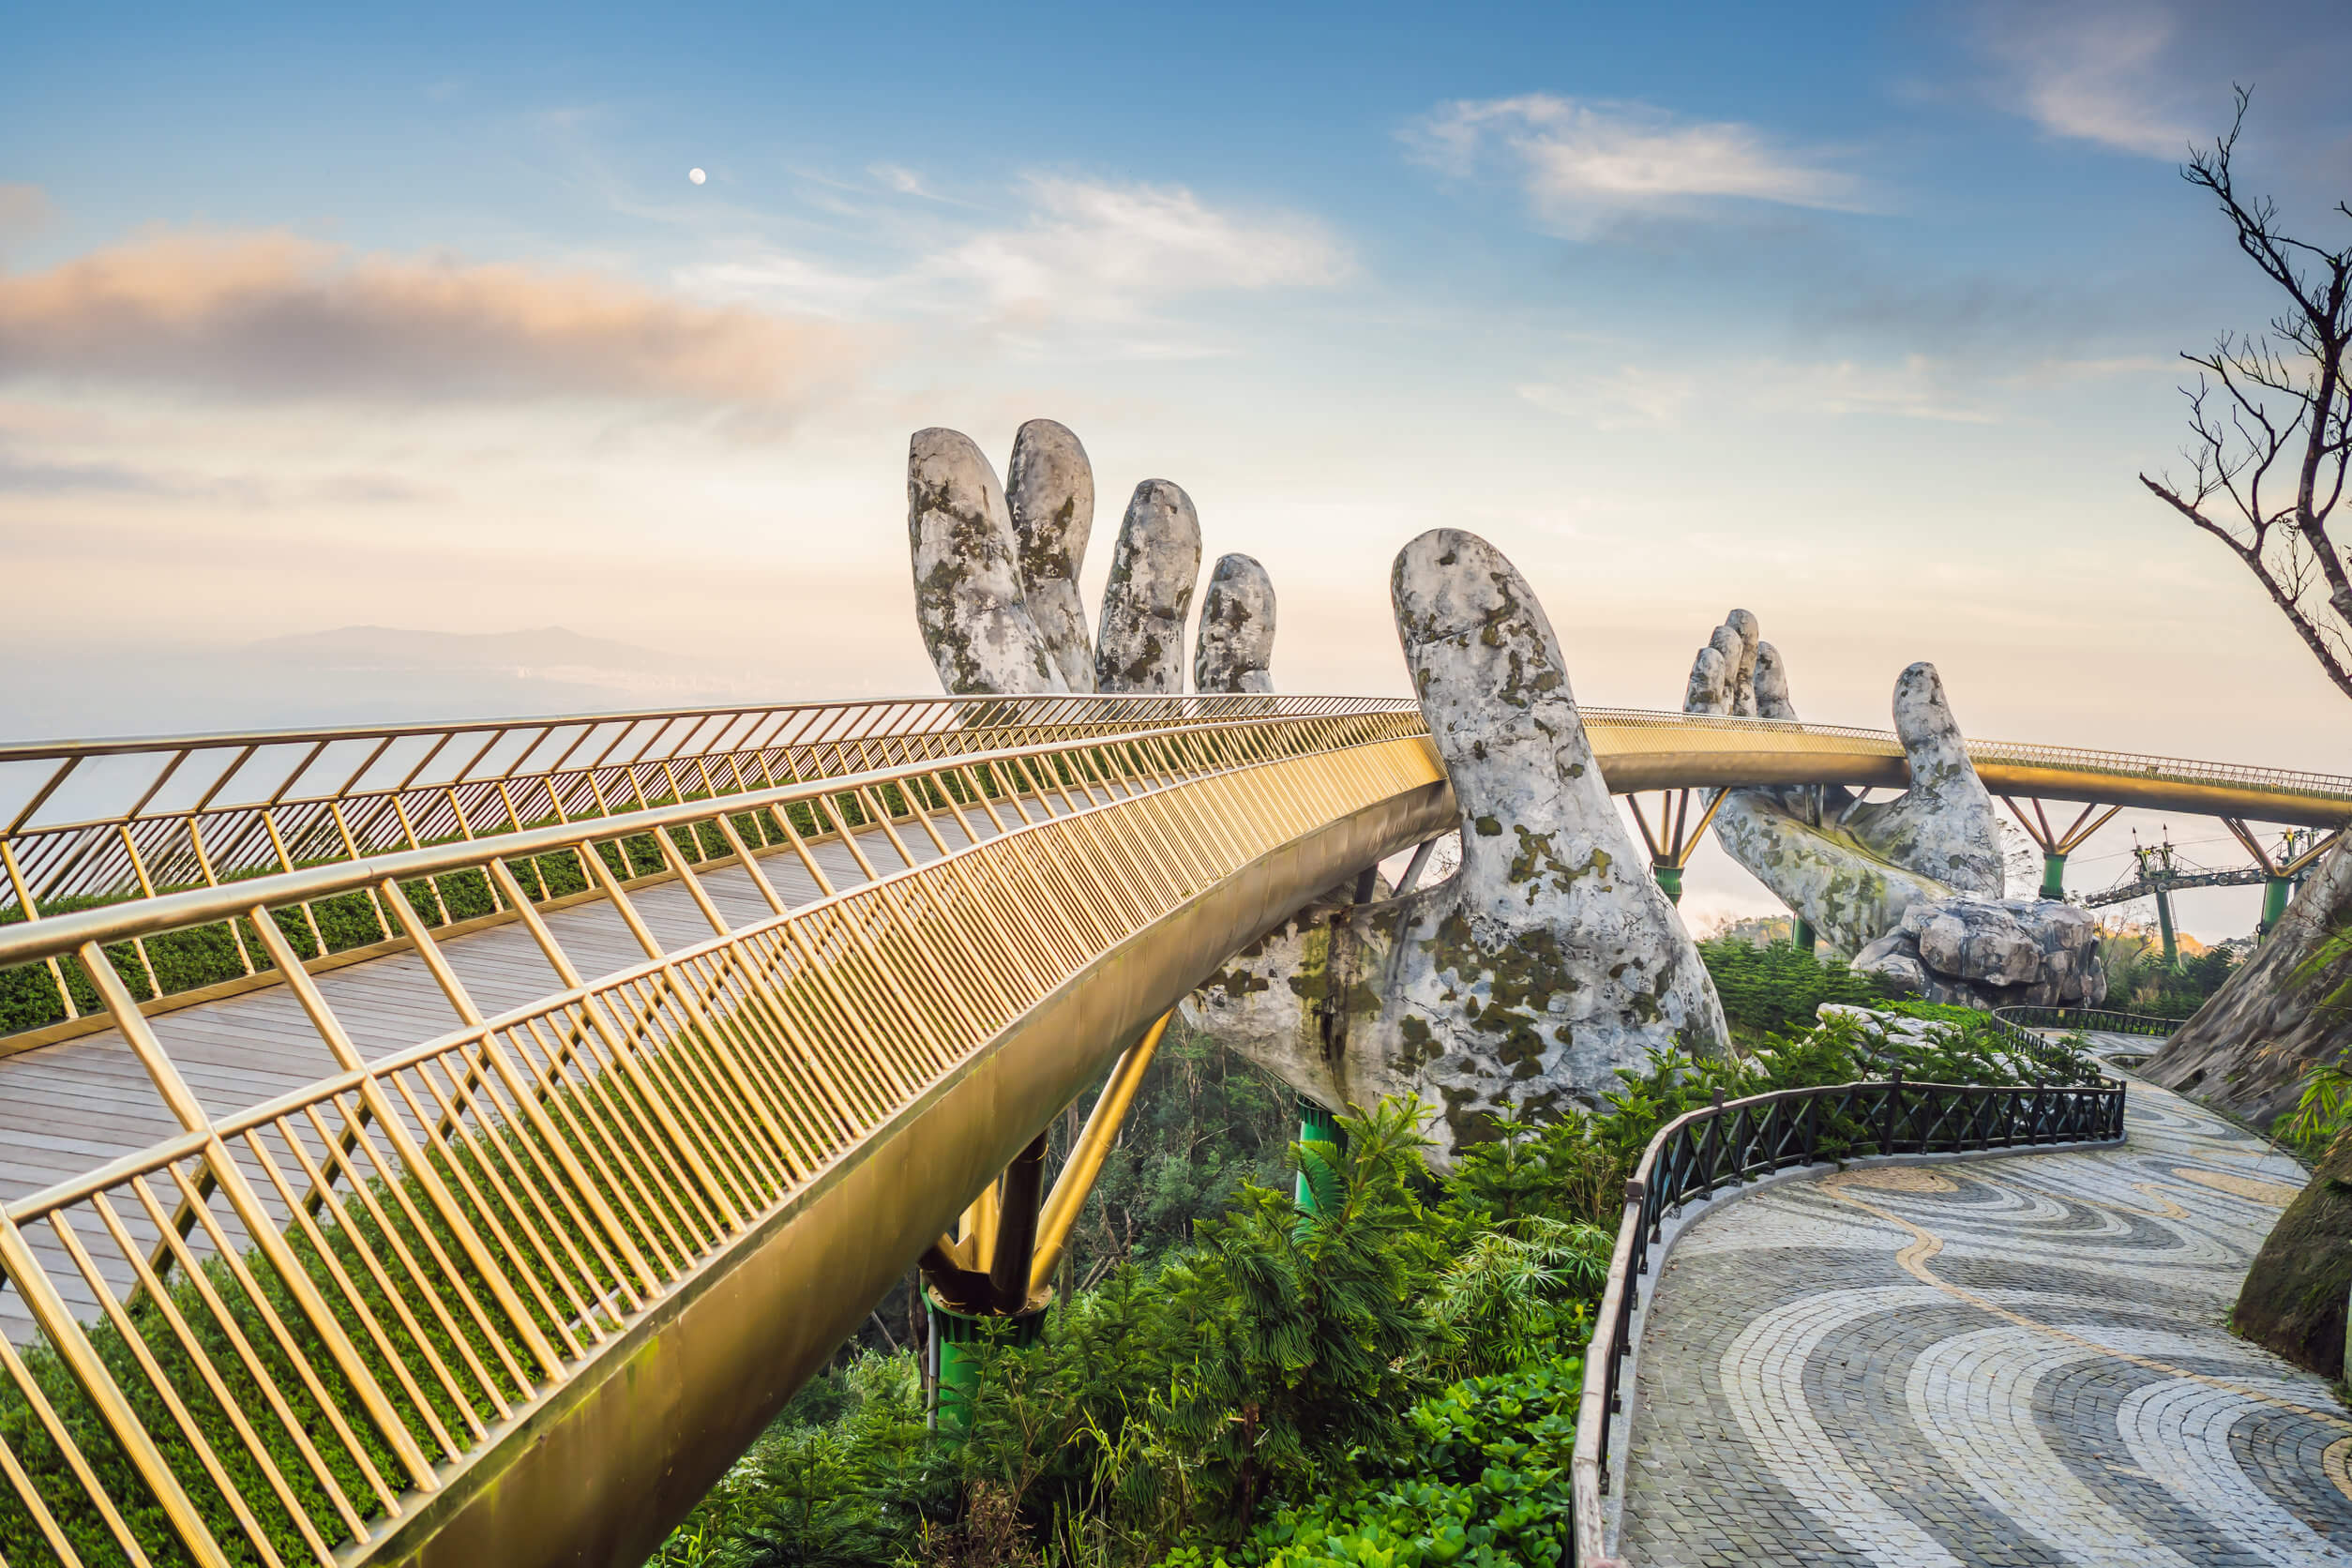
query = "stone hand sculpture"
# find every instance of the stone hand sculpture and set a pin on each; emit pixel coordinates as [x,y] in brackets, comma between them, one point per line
[1851,867]
[996,574]
[1519,986]
[1911,887]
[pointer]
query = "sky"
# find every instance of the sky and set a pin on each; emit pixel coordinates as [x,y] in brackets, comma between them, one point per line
[1863,317]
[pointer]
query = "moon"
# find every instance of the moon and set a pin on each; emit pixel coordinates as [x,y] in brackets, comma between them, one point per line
[695,175]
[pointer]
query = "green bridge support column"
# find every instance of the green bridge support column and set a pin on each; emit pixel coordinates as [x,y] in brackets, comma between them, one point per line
[1804,935]
[2054,875]
[1669,879]
[1321,1127]
[998,1293]
[957,1345]
[2163,925]
[2276,892]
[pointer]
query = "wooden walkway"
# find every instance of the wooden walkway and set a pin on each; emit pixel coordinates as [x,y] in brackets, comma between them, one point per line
[70,1108]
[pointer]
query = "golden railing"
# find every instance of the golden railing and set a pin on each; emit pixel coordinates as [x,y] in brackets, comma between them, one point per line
[207,810]
[1625,738]
[276,1336]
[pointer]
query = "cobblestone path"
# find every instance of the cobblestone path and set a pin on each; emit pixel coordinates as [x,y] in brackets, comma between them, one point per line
[2011,1362]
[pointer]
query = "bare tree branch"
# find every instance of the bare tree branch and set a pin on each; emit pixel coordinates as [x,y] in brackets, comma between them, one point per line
[2257,414]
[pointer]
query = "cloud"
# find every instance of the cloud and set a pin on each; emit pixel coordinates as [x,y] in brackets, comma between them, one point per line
[1635,397]
[1102,250]
[24,209]
[35,476]
[268,315]
[2149,77]
[51,478]
[906,182]
[1582,162]
[2091,73]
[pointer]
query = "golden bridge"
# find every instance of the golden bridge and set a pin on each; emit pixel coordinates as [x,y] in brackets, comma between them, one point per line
[453,1143]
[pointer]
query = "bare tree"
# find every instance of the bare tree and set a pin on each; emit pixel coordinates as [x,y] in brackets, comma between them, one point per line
[2270,420]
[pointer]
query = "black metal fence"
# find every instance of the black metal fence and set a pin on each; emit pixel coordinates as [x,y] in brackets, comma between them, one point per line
[2099,1018]
[1734,1141]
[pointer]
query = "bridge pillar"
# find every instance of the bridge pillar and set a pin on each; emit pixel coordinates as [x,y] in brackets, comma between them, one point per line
[963,1298]
[1001,1269]
[2276,892]
[2053,874]
[1803,936]
[1676,837]
[1319,1129]
[958,1344]
[2163,926]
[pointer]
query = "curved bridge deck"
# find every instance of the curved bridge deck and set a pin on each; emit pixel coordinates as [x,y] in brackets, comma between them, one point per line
[499,1238]
[2007,1362]
[79,1105]
[521,1288]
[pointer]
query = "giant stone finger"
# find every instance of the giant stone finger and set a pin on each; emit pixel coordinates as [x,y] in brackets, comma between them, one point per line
[967,595]
[1235,650]
[1140,646]
[1050,490]
[1520,985]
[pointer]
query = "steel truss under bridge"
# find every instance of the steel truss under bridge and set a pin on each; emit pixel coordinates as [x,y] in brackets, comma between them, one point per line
[575,1085]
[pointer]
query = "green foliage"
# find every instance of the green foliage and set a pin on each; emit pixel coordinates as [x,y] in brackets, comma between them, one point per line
[2139,980]
[1483,1484]
[847,1476]
[1379,1382]
[1268,1357]
[1977,1048]
[1776,989]
[1204,1123]
[2323,1111]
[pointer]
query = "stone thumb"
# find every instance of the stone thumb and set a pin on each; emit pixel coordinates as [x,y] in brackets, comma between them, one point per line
[1931,742]
[1493,689]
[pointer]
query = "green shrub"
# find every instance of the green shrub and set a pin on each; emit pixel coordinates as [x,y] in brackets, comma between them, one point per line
[1776,989]
[1483,1484]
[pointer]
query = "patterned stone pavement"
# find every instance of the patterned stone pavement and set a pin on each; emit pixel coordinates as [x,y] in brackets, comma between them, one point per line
[2001,1363]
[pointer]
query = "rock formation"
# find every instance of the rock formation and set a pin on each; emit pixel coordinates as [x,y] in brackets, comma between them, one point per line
[1140,646]
[1518,987]
[969,597]
[1911,887]
[1237,629]
[1988,953]
[2248,1048]
[1051,489]
[996,578]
